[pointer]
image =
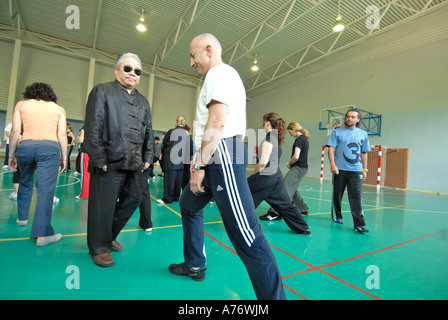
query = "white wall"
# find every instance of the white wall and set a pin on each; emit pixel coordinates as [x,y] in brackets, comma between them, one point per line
[409,89]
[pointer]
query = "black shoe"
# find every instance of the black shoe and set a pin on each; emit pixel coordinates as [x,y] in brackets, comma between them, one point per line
[181,270]
[306,233]
[270,217]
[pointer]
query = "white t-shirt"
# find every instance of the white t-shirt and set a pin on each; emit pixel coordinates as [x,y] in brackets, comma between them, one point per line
[223,84]
[8,129]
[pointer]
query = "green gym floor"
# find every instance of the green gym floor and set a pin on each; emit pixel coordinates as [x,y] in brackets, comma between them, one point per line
[404,257]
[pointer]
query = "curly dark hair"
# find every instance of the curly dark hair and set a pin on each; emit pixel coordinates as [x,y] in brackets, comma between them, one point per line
[276,123]
[40,91]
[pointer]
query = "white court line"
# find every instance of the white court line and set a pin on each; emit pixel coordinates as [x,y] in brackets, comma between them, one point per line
[57,186]
[364,204]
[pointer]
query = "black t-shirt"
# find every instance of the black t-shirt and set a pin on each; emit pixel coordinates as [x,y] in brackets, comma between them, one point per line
[302,143]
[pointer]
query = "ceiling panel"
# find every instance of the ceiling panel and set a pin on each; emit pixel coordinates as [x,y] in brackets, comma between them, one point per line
[284,34]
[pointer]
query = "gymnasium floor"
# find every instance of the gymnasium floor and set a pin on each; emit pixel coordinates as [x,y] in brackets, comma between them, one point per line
[405,255]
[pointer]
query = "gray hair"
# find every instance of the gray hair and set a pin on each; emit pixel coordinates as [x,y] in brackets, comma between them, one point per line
[126,55]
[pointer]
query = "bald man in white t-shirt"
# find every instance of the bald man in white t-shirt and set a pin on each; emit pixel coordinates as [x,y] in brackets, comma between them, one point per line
[219,171]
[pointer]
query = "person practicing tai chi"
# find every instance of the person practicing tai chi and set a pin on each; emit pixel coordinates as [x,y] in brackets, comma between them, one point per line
[347,152]
[298,168]
[41,155]
[120,142]
[266,182]
[219,171]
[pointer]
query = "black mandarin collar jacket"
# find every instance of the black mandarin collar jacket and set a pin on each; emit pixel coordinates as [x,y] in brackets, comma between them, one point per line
[118,128]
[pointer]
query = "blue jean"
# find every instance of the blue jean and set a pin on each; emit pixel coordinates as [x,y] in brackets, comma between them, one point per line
[41,157]
[226,182]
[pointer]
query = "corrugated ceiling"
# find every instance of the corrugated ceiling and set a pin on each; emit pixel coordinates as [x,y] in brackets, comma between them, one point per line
[285,34]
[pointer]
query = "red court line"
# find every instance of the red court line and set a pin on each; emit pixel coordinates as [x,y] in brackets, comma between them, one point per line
[312,268]
[230,249]
[295,292]
[319,268]
[381,250]
[221,243]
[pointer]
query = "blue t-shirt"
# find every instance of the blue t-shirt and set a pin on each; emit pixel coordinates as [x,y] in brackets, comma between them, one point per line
[349,144]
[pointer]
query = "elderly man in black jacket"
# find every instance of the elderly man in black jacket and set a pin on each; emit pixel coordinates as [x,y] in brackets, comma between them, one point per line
[120,143]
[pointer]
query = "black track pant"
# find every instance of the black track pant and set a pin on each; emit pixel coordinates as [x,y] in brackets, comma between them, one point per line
[353,181]
[145,206]
[172,185]
[273,191]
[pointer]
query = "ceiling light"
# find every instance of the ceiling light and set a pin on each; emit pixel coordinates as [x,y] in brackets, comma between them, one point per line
[255,65]
[339,25]
[141,26]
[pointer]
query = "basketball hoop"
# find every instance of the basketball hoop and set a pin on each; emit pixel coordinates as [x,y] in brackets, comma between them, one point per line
[331,127]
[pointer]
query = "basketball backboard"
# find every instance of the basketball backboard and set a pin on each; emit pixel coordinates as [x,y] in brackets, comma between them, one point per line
[334,116]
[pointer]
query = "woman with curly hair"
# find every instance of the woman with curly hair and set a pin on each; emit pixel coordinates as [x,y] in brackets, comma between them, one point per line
[266,182]
[43,150]
[298,167]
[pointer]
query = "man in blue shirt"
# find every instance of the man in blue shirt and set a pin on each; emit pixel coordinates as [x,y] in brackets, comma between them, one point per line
[347,152]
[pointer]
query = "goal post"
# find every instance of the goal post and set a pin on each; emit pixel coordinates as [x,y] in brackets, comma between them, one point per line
[375,164]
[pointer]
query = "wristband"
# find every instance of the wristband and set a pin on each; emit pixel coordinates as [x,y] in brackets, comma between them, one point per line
[197,167]
[365,170]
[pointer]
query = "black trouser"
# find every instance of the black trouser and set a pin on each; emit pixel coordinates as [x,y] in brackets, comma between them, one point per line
[172,185]
[186,175]
[151,167]
[273,191]
[106,215]
[145,206]
[353,181]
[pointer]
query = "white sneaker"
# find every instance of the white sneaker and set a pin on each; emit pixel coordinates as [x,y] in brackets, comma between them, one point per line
[13,196]
[148,229]
[160,201]
[22,222]
[44,241]
[55,199]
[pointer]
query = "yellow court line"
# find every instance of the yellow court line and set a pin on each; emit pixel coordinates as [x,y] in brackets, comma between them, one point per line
[128,230]
[167,206]
[179,225]
[140,229]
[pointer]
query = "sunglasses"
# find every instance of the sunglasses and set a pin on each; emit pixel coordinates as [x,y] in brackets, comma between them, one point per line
[128,69]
